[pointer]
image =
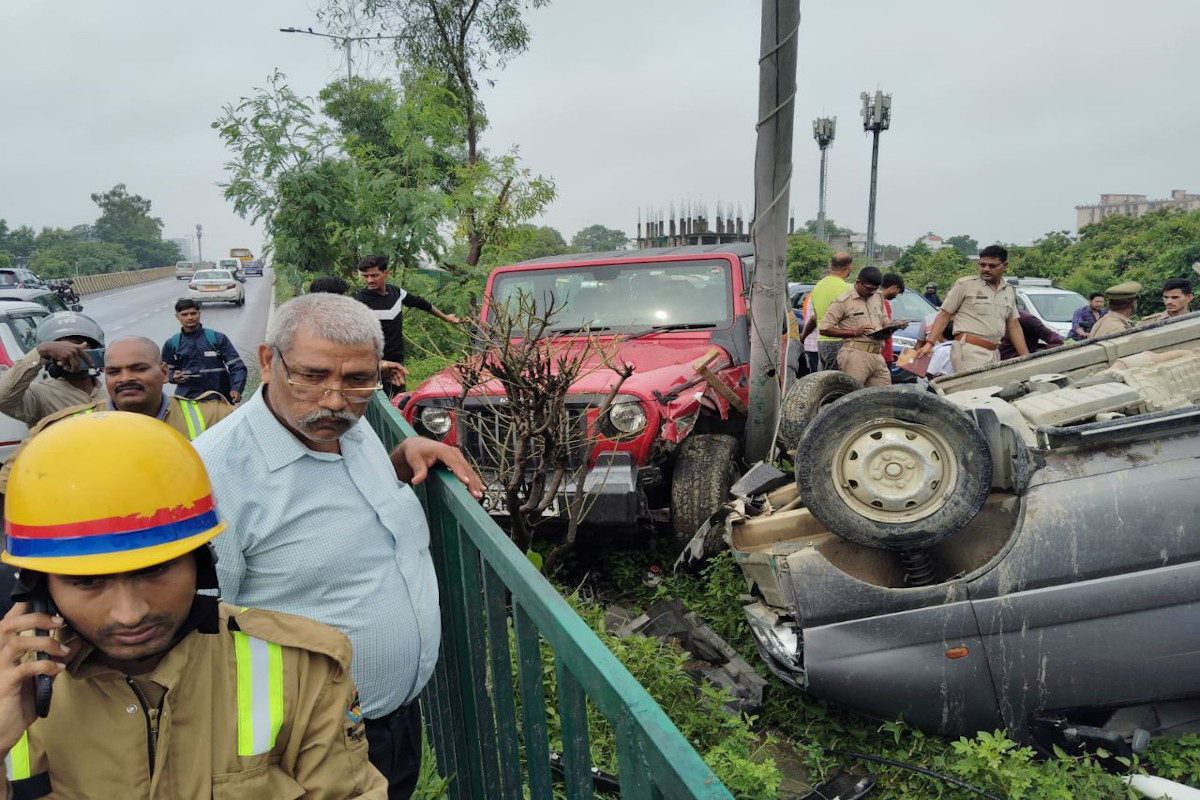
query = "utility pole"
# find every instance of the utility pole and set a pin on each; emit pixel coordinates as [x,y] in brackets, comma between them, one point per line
[823,131]
[772,181]
[199,248]
[346,41]
[877,117]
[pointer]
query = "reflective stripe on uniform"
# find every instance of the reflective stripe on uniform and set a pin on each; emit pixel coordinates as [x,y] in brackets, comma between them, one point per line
[193,417]
[17,760]
[85,411]
[259,693]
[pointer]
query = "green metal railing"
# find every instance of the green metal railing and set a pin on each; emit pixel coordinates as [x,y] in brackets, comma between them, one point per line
[489,728]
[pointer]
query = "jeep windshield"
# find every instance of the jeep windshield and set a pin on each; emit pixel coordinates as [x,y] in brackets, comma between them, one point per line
[624,297]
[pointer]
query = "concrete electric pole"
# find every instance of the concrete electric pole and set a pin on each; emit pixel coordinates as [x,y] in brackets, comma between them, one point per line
[772,181]
[199,248]
[877,117]
[823,131]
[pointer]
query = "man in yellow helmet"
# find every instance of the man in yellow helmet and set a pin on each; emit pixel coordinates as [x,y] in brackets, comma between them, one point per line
[134,374]
[158,689]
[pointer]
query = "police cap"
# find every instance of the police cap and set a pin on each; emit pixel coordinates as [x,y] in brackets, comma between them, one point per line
[1129,290]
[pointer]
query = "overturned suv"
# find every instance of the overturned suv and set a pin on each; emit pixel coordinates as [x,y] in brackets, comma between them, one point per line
[668,445]
[1019,548]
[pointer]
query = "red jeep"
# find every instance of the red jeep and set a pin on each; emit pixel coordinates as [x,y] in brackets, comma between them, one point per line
[678,316]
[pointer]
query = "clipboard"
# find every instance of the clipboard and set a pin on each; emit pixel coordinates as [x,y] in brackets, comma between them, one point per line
[909,362]
[888,330]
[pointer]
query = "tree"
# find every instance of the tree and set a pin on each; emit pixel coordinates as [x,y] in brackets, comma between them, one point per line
[964,244]
[125,220]
[831,228]
[807,257]
[20,242]
[458,41]
[69,257]
[597,238]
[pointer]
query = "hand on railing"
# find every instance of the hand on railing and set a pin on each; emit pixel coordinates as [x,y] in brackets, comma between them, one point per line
[413,457]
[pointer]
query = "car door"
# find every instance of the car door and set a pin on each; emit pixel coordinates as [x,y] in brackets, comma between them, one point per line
[1096,601]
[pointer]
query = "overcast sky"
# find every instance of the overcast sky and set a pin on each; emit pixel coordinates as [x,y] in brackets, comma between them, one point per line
[1005,115]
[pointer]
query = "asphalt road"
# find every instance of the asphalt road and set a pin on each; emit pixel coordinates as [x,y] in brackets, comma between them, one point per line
[148,310]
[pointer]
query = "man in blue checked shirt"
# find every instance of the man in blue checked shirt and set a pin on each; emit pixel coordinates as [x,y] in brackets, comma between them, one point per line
[322,522]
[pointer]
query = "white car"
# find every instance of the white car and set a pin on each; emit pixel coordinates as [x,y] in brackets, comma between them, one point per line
[233,265]
[1053,306]
[18,329]
[216,286]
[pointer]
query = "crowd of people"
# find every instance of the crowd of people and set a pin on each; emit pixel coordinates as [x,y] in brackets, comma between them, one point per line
[179,580]
[847,326]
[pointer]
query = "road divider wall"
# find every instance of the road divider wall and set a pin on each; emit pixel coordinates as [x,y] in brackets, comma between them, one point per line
[90,284]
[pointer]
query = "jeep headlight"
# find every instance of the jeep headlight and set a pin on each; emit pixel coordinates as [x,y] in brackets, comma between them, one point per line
[627,417]
[436,420]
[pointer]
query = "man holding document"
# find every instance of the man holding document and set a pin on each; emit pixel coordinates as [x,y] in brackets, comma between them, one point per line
[857,316]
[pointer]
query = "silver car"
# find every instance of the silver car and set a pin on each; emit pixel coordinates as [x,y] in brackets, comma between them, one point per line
[216,286]
[1019,548]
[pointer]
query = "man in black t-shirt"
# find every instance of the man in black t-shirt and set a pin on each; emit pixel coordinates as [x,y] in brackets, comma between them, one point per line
[387,302]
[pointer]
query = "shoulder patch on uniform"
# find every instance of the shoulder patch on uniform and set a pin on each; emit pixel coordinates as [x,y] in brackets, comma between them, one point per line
[289,630]
[355,728]
[58,416]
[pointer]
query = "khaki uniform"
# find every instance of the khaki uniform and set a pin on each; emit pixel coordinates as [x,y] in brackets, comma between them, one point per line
[860,357]
[265,708]
[189,417]
[983,311]
[1112,322]
[1159,317]
[23,399]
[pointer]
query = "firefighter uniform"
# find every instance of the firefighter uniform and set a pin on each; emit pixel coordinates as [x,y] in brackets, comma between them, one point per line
[189,417]
[981,313]
[860,357]
[243,703]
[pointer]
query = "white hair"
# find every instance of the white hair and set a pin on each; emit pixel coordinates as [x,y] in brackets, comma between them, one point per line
[331,317]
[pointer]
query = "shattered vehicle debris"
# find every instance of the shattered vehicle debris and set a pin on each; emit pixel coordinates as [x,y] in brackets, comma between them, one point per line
[1019,548]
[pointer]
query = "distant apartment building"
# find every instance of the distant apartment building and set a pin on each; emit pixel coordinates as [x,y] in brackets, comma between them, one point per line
[1133,205]
[184,244]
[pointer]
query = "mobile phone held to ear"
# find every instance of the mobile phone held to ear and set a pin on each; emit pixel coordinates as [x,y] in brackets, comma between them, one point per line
[43,685]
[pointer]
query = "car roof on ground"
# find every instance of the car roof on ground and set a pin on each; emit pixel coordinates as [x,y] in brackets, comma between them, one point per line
[740,249]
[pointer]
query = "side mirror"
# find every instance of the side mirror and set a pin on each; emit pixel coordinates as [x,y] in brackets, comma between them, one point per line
[76,308]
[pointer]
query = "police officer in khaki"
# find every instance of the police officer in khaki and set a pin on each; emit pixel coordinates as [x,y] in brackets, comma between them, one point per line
[853,315]
[984,309]
[134,374]
[1176,297]
[1122,305]
[158,690]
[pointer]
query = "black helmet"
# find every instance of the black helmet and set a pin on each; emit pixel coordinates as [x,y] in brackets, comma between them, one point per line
[62,324]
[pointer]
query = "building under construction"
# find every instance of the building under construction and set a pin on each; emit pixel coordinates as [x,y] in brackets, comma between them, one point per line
[691,227]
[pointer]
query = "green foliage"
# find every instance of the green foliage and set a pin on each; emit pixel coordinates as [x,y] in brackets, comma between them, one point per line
[598,239]
[919,265]
[5,261]
[66,258]
[19,242]
[807,257]
[831,228]
[964,244]
[1176,759]
[1150,250]
[125,220]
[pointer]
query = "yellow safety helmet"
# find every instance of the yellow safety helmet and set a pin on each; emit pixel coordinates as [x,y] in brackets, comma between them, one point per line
[106,492]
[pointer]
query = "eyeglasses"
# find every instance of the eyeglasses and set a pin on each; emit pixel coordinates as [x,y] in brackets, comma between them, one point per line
[305,386]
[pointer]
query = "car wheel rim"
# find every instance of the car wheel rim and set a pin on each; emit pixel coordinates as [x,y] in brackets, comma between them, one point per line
[893,471]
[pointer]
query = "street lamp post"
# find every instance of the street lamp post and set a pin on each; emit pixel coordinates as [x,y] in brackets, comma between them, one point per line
[199,247]
[823,131]
[346,41]
[877,117]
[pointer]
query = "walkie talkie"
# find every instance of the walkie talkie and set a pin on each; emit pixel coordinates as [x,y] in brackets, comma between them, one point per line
[43,685]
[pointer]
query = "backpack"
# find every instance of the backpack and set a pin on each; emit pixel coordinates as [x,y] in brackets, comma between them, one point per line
[177,339]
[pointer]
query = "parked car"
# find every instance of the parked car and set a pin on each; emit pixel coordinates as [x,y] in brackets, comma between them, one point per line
[254,267]
[184,269]
[670,442]
[18,329]
[1017,549]
[1053,306]
[46,299]
[20,277]
[216,286]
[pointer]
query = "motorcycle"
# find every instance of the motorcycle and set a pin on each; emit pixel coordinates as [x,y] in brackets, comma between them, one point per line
[65,290]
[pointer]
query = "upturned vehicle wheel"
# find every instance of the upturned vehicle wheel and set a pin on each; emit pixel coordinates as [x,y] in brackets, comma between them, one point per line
[893,469]
[705,468]
[806,397]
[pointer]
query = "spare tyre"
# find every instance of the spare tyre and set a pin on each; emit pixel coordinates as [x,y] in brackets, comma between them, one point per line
[893,469]
[806,397]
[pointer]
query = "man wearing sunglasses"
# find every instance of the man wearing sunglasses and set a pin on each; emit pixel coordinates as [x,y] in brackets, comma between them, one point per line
[320,525]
